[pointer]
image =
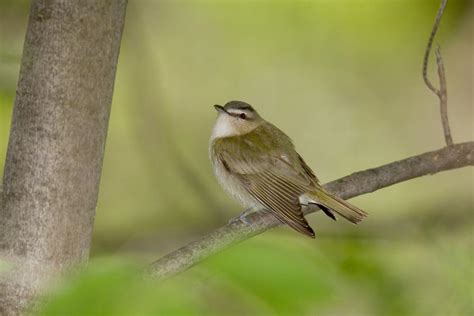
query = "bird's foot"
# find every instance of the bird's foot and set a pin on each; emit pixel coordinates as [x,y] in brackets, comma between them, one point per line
[242,217]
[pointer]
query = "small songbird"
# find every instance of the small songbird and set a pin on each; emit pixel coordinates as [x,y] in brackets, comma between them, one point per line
[258,165]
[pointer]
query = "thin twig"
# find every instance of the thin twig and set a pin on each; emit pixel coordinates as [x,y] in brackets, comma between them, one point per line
[456,156]
[442,91]
[443,98]
[430,43]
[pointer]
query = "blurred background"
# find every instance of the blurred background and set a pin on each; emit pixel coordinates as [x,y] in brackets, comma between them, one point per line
[343,79]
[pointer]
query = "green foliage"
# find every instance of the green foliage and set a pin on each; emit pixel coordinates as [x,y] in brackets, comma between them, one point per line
[282,274]
[256,278]
[111,286]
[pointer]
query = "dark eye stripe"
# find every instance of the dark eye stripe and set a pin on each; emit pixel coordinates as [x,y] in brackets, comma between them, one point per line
[241,115]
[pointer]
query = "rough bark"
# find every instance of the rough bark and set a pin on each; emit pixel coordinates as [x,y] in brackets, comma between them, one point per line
[451,157]
[56,144]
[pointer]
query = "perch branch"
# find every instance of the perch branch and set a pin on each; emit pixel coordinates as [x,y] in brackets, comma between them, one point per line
[452,157]
[442,92]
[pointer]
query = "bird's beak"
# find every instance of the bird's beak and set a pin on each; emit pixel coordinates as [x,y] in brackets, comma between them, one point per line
[220,108]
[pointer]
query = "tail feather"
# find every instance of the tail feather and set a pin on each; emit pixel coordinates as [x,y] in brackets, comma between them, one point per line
[326,211]
[338,205]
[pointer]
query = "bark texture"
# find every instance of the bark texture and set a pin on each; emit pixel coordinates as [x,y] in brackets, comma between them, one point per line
[57,141]
[451,157]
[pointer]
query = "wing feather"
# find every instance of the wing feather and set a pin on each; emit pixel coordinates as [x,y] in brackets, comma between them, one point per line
[283,209]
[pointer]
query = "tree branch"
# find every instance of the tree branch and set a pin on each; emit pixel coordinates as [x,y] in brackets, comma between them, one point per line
[442,93]
[452,157]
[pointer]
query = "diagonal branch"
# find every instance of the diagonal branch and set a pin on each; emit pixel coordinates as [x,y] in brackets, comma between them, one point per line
[452,157]
[442,92]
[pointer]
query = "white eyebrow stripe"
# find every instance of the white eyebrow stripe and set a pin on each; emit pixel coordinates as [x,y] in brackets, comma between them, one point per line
[238,111]
[235,111]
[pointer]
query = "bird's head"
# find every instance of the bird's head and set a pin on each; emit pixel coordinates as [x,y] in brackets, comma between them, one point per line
[234,119]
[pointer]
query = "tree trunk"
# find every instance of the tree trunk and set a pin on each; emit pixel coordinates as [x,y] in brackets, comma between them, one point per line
[56,144]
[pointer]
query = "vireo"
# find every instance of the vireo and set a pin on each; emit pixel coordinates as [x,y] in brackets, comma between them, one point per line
[258,165]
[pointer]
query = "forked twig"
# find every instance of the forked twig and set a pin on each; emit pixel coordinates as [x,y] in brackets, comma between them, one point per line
[442,92]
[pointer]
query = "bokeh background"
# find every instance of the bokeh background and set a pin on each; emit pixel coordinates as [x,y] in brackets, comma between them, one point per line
[343,79]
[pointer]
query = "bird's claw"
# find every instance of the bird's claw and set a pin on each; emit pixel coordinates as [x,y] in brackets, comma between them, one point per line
[242,217]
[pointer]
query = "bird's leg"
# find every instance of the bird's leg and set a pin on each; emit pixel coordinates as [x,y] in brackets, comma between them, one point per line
[242,216]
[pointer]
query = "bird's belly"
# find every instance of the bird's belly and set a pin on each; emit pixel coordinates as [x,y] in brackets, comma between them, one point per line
[233,186]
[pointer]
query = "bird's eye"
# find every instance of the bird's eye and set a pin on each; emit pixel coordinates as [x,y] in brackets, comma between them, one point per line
[243,116]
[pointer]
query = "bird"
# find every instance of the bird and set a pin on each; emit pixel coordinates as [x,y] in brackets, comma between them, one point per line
[258,165]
